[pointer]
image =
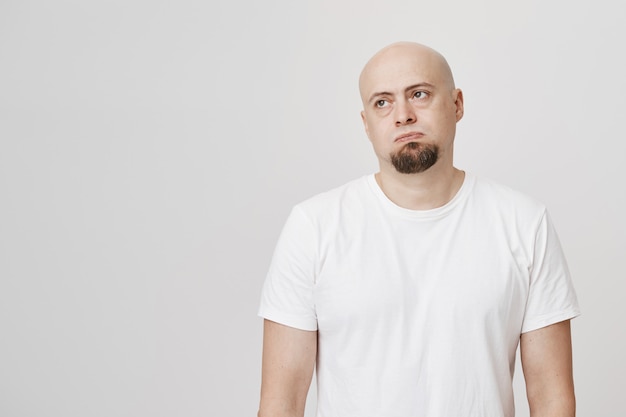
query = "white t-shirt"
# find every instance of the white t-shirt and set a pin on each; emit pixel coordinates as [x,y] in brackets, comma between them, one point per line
[418,313]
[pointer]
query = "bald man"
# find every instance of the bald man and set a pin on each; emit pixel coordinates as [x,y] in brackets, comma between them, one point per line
[409,290]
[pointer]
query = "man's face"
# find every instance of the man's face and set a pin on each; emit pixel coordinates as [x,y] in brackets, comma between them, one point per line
[410,108]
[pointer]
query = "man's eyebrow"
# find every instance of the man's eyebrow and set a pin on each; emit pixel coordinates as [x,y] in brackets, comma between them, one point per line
[411,87]
[420,85]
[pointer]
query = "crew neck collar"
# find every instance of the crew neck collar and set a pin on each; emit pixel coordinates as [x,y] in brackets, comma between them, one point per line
[389,205]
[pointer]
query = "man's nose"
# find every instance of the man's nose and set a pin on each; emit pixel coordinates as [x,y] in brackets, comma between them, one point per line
[405,114]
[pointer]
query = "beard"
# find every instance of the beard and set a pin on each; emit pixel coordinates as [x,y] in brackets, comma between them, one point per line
[414,157]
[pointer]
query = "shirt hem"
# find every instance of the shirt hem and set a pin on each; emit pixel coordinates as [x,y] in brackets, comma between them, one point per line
[547,320]
[295,322]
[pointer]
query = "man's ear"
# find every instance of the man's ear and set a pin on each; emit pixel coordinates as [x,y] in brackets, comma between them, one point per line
[458,101]
[364,119]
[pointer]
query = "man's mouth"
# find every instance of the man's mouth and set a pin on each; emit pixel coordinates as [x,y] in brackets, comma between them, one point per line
[406,137]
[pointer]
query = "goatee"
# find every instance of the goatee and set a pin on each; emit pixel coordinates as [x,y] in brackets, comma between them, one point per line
[415,157]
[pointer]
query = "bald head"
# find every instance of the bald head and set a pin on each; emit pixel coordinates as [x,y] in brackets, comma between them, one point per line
[410,108]
[388,63]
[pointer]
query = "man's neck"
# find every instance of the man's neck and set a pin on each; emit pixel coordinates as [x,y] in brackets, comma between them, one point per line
[430,189]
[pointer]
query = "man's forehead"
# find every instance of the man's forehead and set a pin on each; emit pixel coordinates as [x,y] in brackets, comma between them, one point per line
[393,77]
[402,65]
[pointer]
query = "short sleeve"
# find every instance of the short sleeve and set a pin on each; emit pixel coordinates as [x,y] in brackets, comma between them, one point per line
[287,295]
[552,297]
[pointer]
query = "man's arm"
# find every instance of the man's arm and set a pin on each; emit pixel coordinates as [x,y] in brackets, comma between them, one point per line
[546,356]
[288,362]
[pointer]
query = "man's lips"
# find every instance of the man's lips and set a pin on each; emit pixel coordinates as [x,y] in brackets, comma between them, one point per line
[406,137]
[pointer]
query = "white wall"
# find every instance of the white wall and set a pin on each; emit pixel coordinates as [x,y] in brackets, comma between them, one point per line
[150,151]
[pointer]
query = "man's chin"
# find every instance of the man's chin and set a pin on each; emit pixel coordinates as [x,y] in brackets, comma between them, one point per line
[420,171]
[414,158]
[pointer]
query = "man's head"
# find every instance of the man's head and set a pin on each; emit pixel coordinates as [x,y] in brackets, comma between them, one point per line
[410,107]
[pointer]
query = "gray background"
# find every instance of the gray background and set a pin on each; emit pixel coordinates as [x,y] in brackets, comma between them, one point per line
[150,152]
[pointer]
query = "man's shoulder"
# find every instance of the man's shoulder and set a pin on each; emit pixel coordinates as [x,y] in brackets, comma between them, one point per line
[346,198]
[507,198]
[337,195]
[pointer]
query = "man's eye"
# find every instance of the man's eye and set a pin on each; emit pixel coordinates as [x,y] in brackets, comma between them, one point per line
[381,103]
[420,94]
